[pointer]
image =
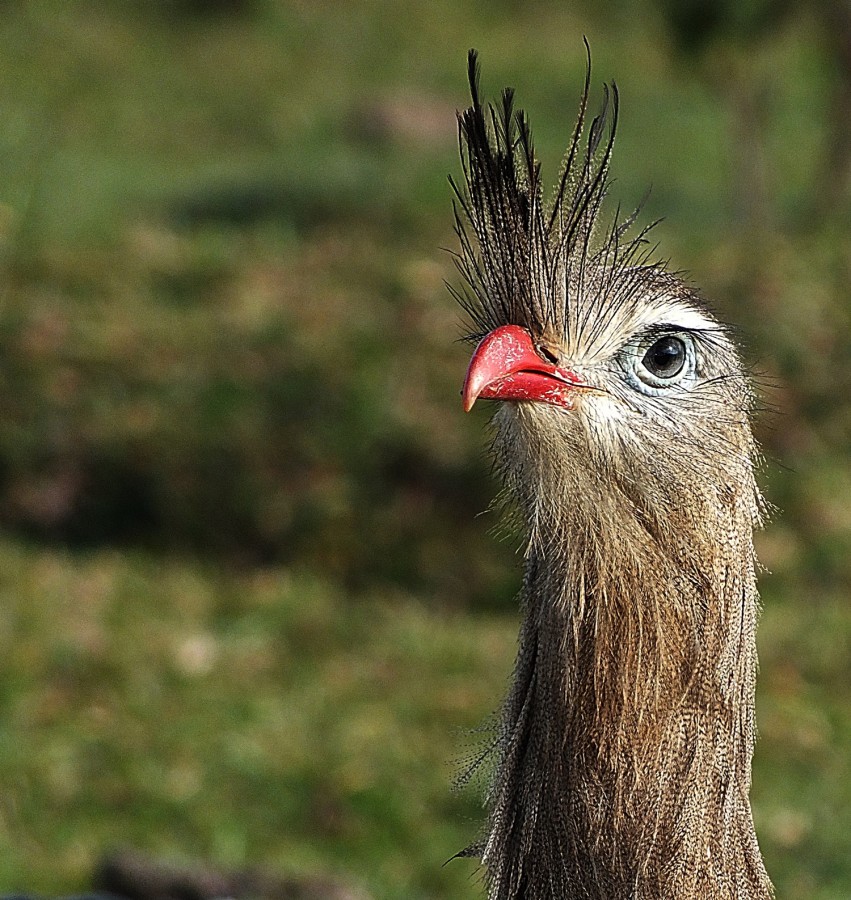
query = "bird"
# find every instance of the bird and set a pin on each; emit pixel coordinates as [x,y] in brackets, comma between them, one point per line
[620,761]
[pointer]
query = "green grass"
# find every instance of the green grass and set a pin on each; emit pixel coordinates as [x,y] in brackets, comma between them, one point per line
[245,719]
[250,606]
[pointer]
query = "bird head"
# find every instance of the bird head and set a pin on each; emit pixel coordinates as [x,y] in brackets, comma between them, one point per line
[612,369]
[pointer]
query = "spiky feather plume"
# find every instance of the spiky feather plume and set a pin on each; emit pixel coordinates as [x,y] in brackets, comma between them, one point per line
[524,258]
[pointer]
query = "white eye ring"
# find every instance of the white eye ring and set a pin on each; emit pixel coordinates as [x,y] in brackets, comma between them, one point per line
[661,362]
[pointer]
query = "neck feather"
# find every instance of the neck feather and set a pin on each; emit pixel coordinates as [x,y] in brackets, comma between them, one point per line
[627,735]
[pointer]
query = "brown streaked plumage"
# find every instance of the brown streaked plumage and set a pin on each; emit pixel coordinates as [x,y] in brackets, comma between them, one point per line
[623,759]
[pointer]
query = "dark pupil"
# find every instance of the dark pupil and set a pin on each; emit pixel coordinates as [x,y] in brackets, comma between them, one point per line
[666,357]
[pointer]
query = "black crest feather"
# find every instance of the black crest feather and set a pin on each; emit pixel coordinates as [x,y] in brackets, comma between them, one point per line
[523,257]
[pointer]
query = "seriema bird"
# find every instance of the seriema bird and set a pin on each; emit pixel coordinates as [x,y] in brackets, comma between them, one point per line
[622,763]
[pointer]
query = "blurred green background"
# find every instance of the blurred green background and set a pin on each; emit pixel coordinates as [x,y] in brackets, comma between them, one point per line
[251,608]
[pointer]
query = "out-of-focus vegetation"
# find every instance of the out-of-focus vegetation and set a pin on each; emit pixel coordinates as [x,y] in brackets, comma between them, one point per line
[248,602]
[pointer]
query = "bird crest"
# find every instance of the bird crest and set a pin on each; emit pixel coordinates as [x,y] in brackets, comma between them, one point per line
[544,264]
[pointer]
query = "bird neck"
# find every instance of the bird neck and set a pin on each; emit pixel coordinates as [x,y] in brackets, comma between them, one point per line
[627,735]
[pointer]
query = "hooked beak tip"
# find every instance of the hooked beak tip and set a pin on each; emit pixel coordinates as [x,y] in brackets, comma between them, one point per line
[470,394]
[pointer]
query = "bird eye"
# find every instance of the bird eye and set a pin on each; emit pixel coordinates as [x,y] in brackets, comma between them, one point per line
[669,360]
[666,358]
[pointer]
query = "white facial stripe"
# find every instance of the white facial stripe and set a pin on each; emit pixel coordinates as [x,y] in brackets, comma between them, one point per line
[677,314]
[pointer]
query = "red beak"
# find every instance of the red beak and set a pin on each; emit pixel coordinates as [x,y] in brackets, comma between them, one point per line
[506,366]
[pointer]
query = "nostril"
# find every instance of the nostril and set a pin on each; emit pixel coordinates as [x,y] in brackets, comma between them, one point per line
[547,354]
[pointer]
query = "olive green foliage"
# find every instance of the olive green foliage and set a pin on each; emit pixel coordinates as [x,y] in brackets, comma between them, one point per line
[251,610]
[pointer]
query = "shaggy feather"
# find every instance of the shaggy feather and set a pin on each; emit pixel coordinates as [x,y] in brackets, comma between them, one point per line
[623,757]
